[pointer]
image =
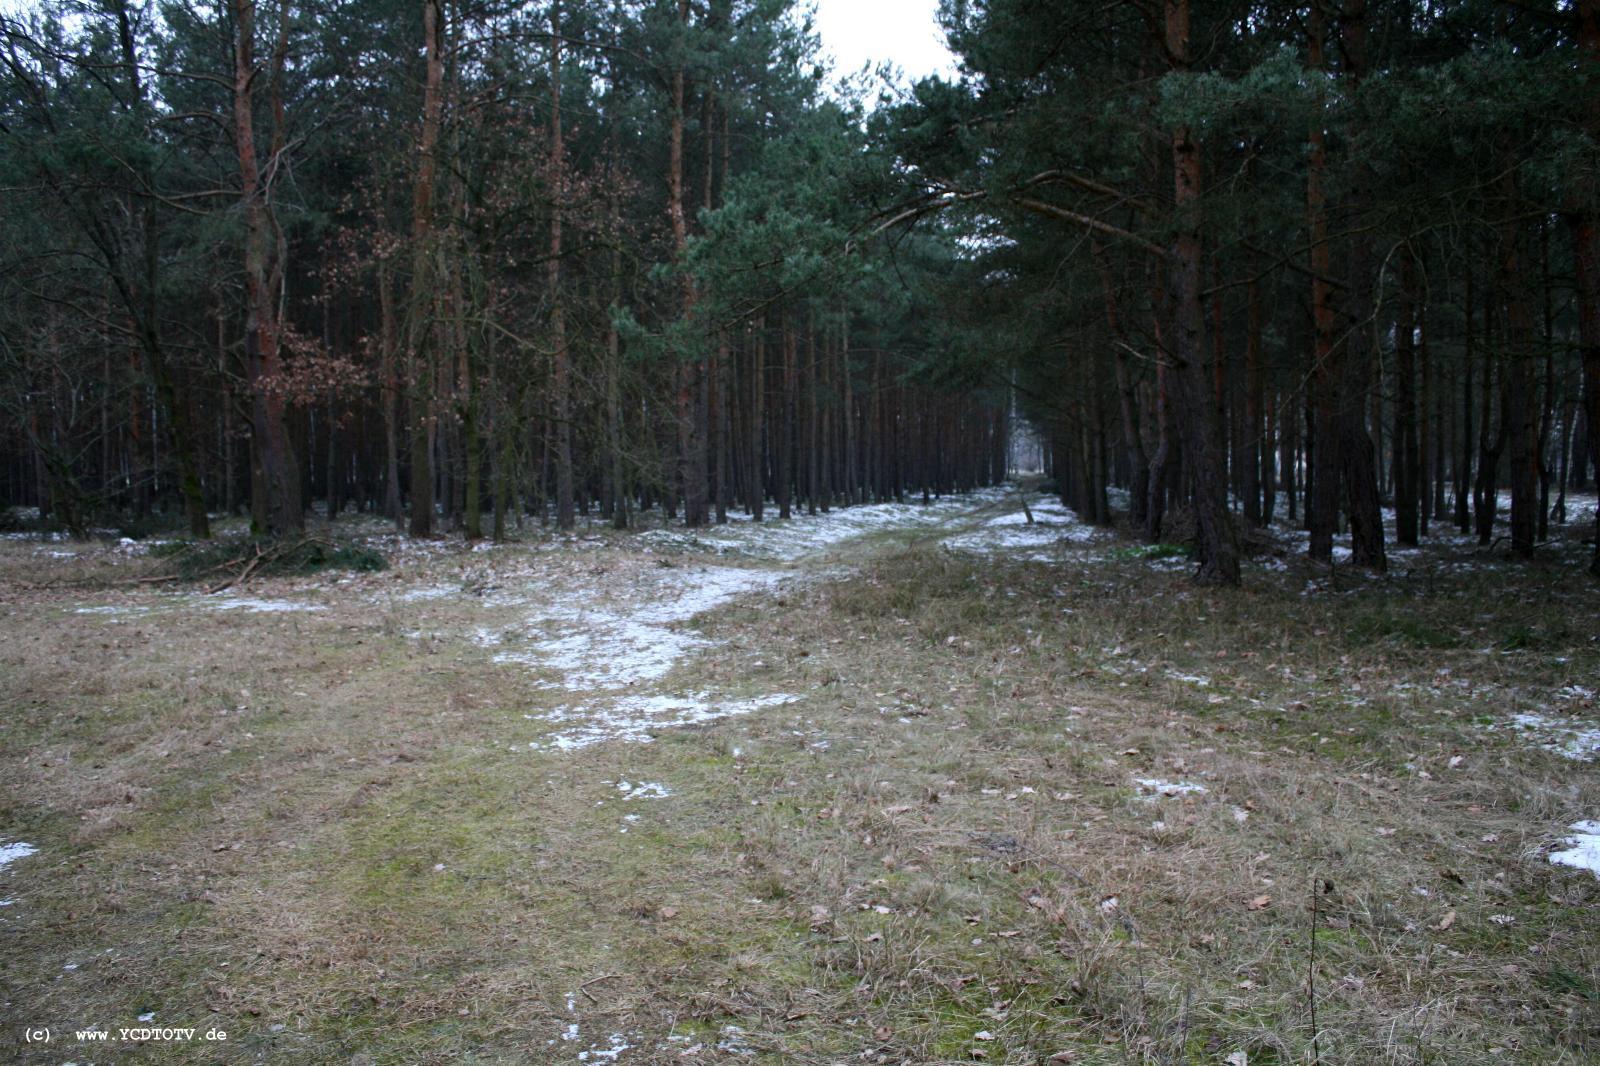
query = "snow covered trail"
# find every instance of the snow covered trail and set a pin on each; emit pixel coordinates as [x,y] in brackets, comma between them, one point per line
[611,655]
[609,658]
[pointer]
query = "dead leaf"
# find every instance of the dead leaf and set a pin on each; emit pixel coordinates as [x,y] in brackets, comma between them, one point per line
[983,1034]
[1238,1058]
[667,913]
[1258,903]
[1446,922]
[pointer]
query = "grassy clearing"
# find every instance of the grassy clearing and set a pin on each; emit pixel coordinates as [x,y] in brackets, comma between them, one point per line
[326,832]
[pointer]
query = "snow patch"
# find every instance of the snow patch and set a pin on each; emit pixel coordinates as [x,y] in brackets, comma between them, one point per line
[635,718]
[10,853]
[644,790]
[241,603]
[1583,848]
[1168,788]
[1567,737]
[617,1045]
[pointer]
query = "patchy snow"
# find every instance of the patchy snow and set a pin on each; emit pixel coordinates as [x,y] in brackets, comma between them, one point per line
[599,647]
[1054,527]
[636,718]
[617,1045]
[428,592]
[110,609]
[643,790]
[10,853]
[1168,788]
[733,1041]
[255,606]
[791,538]
[1567,737]
[1583,848]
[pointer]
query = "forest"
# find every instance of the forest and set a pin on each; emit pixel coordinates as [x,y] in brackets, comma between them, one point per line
[581,531]
[515,262]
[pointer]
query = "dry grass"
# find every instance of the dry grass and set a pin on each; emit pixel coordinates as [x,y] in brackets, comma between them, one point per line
[325,831]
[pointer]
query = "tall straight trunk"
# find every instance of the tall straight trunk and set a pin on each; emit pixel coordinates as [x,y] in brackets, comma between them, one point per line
[500,432]
[1547,404]
[812,424]
[1521,389]
[1463,475]
[471,443]
[1428,456]
[786,406]
[847,394]
[1197,413]
[1358,458]
[691,456]
[1127,396]
[1485,490]
[229,495]
[1584,221]
[1586,237]
[280,473]
[1288,454]
[1407,466]
[421,343]
[1254,430]
[388,345]
[561,361]
[758,400]
[1322,497]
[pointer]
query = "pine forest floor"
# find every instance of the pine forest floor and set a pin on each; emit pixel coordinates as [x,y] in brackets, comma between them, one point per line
[897,784]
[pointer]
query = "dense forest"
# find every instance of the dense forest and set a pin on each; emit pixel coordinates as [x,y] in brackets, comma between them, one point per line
[475,264]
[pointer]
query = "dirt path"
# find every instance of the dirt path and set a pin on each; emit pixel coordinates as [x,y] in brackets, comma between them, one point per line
[894,784]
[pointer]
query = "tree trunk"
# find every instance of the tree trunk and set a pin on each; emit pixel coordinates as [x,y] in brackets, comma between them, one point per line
[420,349]
[1586,242]
[1322,496]
[280,473]
[1197,414]
[561,377]
[1357,454]
[1406,464]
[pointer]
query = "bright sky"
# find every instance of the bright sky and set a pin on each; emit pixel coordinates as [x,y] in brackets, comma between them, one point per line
[905,32]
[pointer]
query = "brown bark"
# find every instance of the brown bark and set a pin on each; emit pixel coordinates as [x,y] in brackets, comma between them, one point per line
[280,473]
[1322,495]
[561,376]
[1197,416]
[691,442]
[419,349]
[1358,458]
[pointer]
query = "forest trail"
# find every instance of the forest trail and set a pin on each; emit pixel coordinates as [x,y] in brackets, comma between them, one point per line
[614,653]
[893,782]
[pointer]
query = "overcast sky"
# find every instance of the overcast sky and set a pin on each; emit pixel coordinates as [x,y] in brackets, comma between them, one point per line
[857,32]
[904,32]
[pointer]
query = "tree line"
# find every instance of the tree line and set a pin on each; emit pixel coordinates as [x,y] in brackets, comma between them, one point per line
[459,264]
[1319,256]
[463,263]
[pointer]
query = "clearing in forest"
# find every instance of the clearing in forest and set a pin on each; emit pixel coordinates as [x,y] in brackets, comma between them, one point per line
[903,783]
